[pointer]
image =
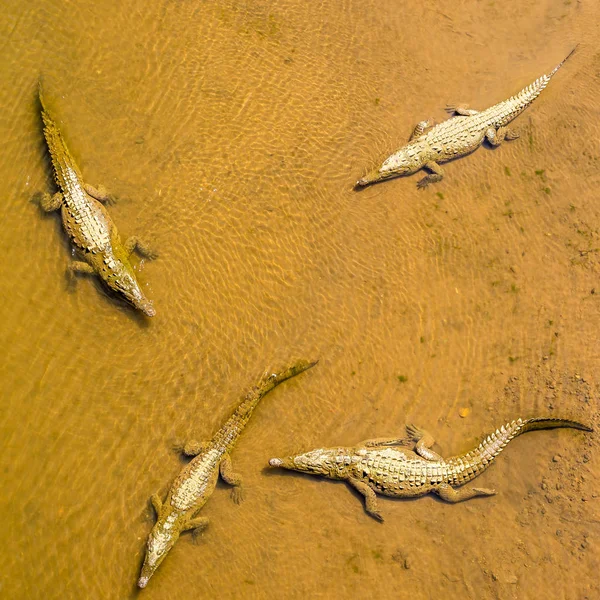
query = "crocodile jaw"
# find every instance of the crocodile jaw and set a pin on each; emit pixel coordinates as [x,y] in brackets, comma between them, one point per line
[146,307]
[381,174]
[371,177]
[409,159]
[315,462]
[163,536]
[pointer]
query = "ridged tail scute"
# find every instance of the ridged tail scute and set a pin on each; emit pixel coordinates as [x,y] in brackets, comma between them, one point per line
[467,466]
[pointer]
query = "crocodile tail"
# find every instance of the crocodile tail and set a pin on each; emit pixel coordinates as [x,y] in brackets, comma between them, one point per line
[295,369]
[230,430]
[517,104]
[269,381]
[467,466]
[48,120]
[551,423]
[563,61]
[57,147]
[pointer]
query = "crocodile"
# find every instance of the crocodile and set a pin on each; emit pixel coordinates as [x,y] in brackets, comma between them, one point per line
[432,144]
[408,467]
[197,480]
[88,224]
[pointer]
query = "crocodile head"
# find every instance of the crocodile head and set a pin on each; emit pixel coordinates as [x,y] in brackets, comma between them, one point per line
[328,462]
[122,281]
[403,162]
[162,538]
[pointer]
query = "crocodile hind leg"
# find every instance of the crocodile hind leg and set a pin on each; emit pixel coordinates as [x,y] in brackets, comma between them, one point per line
[99,193]
[420,129]
[134,243]
[423,444]
[370,497]
[461,109]
[75,267]
[51,203]
[496,136]
[156,503]
[446,492]
[437,174]
[232,478]
[385,442]
[191,448]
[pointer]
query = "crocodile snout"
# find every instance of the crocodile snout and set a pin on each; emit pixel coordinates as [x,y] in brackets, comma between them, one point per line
[275,462]
[146,307]
[142,582]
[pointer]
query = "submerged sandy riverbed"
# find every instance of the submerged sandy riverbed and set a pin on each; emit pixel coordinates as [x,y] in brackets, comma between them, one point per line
[232,134]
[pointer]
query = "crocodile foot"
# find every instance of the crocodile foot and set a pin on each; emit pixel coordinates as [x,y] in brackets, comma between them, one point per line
[237,494]
[134,243]
[436,174]
[100,194]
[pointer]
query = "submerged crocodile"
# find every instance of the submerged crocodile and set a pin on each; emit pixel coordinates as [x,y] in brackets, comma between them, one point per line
[383,466]
[430,145]
[88,224]
[197,480]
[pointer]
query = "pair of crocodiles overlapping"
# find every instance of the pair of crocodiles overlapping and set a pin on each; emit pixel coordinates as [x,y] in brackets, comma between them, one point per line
[398,467]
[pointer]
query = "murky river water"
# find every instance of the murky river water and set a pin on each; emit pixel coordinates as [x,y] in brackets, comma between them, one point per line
[232,134]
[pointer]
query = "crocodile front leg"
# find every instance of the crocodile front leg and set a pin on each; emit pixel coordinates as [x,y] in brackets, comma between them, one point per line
[496,136]
[78,266]
[370,497]
[197,525]
[134,243]
[437,174]
[234,479]
[99,193]
[419,129]
[461,109]
[446,492]
[424,441]
[156,503]
[51,203]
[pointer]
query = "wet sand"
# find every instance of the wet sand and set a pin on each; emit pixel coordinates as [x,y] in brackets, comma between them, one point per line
[232,134]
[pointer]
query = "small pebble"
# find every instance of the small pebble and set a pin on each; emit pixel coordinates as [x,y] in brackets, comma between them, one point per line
[464,411]
[556,458]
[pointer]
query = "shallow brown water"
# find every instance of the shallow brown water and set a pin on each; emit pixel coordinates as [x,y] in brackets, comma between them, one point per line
[232,133]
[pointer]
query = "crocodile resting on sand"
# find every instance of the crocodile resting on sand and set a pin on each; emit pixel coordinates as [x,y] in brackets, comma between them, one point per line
[88,224]
[383,466]
[197,480]
[430,145]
